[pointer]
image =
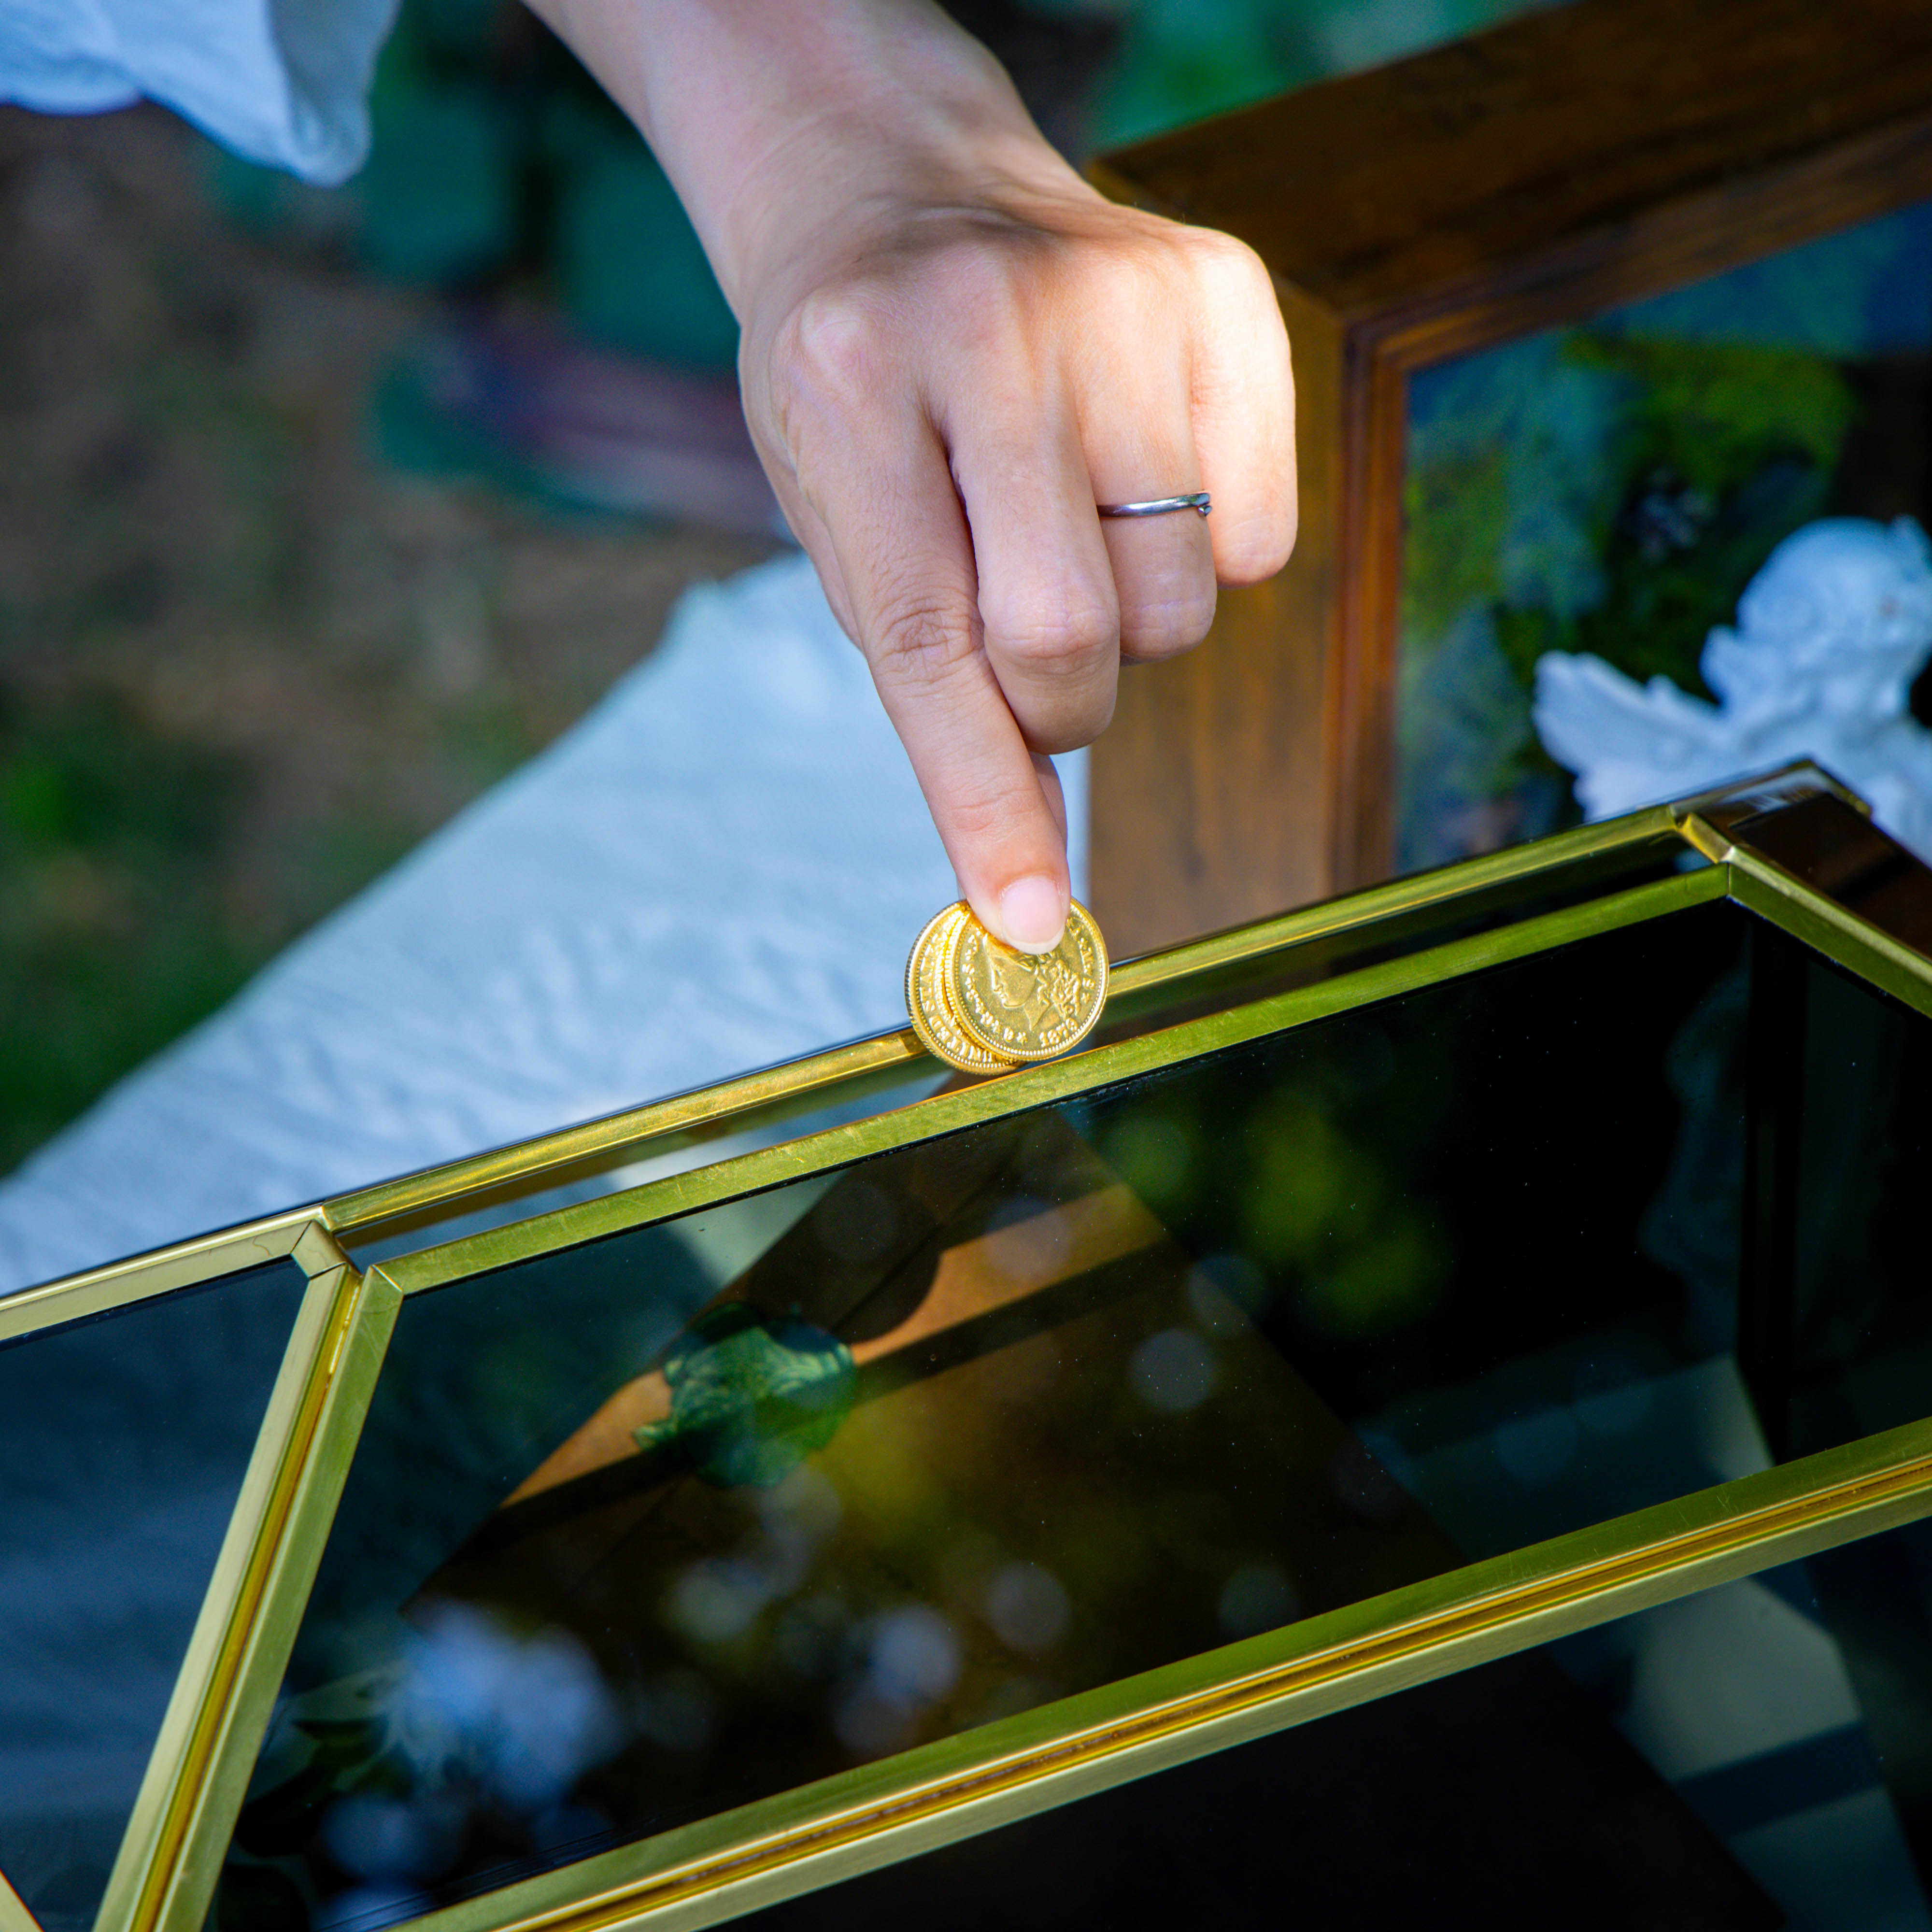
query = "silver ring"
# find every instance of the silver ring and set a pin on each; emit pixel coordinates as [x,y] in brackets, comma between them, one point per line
[1158,507]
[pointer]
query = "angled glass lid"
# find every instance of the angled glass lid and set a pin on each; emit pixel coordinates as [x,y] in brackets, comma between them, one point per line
[681,1502]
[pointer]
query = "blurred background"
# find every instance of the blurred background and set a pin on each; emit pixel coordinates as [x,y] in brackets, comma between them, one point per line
[322,510]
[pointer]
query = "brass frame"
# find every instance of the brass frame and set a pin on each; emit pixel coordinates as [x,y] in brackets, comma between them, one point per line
[715,1870]
[14,1916]
[721,1866]
[773,1095]
[212,1672]
[995,1098]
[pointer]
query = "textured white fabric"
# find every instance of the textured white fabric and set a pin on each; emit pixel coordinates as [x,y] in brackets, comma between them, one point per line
[284,82]
[722,866]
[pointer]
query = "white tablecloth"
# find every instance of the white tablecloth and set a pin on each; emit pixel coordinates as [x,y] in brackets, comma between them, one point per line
[723,866]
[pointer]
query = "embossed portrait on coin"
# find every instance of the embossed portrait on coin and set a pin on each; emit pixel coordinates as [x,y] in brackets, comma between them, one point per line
[1033,989]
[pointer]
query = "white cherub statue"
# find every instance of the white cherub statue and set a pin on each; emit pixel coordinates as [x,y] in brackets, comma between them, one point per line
[1830,634]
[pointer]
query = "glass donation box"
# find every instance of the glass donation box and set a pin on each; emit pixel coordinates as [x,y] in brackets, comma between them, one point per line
[1427,1418]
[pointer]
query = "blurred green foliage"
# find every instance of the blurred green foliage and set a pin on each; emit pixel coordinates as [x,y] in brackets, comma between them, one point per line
[498,167]
[107,833]
[498,163]
[1740,442]
[1714,413]
[1312,1184]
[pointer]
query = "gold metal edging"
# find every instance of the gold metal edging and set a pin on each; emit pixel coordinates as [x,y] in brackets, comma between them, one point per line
[699,1874]
[14,1916]
[206,1680]
[434,1192]
[1466,880]
[185,1265]
[416,1199]
[948,1111]
[179,1886]
[1819,922]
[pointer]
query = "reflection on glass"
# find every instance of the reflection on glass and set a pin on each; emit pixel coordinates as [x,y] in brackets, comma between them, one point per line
[1853,1298]
[123,1441]
[1789,1711]
[1611,487]
[689,1515]
[1752,1756]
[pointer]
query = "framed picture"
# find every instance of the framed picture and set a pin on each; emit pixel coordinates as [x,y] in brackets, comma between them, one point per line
[1589,313]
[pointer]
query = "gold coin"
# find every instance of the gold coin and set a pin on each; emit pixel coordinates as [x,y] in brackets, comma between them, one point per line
[1026,1005]
[931,1018]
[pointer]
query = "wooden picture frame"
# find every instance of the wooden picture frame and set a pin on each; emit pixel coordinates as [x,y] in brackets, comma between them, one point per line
[1540,173]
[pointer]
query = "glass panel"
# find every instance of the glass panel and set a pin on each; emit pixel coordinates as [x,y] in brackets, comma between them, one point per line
[655,1526]
[1789,1712]
[1611,488]
[1755,1756]
[1854,1283]
[123,1439]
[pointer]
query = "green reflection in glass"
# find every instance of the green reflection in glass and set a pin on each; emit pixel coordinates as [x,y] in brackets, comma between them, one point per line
[751,1397]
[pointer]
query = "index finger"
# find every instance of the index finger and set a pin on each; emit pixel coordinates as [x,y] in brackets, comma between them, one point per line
[905,555]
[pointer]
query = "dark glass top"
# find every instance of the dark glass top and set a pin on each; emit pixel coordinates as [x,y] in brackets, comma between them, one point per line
[123,1439]
[1751,1756]
[692,1514]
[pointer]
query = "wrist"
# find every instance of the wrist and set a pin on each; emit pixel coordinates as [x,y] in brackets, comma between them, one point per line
[847,188]
[796,131]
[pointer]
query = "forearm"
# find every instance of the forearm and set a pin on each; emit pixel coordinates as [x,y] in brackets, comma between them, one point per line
[773,118]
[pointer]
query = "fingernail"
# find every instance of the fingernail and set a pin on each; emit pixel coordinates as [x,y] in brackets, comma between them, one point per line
[1033,914]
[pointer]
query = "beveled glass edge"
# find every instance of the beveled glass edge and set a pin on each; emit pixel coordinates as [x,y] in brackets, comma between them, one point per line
[721,1868]
[300,1236]
[1761,792]
[194,1820]
[435,1193]
[948,1111]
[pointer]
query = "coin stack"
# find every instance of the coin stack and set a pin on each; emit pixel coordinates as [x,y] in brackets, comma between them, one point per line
[984,1008]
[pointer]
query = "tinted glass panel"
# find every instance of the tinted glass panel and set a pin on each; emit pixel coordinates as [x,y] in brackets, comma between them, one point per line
[1852,1292]
[675,1520]
[123,1441]
[1752,1756]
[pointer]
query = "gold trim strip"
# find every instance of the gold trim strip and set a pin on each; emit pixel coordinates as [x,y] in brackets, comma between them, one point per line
[99,1289]
[14,1916]
[1821,923]
[722,1866]
[418,1199]
[550,1160]
[284,1551]
[1468,882]
[207,1677]
[1034,1086]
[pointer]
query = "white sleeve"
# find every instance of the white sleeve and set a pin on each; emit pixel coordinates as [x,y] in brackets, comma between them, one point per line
[285,82]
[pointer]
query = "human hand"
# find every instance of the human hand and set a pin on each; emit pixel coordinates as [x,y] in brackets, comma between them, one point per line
[953,349]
